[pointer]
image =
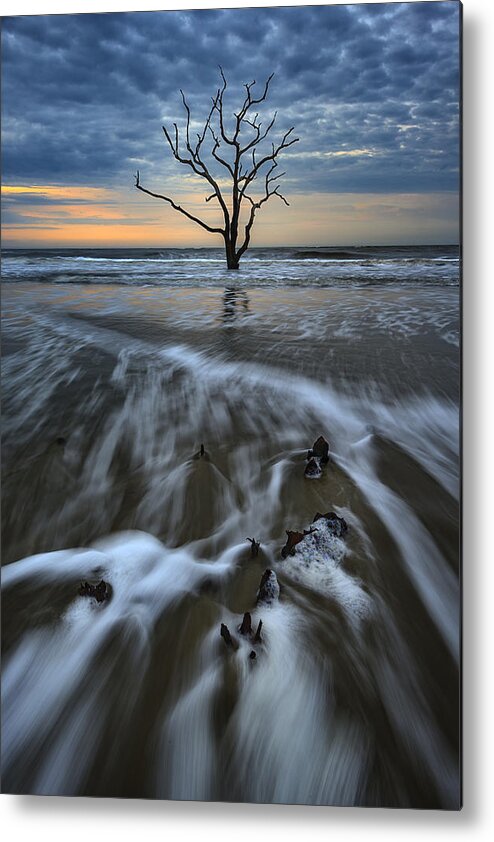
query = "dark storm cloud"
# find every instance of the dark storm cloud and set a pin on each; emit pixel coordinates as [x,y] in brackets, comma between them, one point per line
[372,91]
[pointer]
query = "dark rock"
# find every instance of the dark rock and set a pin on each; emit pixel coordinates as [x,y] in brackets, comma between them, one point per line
[246,627]
[229,640]
[61,441]
[293,539]
[100,592]
[337,525]
[269,589]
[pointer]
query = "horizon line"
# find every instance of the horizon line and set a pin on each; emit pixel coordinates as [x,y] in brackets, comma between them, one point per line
[220,248]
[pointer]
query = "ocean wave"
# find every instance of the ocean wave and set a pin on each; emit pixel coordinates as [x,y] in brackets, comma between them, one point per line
[223,279]
[274,267]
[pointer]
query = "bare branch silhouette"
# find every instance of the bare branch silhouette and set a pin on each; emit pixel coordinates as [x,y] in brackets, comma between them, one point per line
[236,150]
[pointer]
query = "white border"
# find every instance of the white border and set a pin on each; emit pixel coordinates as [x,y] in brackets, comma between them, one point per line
[54,819]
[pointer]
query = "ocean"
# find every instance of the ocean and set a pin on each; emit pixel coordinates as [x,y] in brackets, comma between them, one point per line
[157,413]
[349,266]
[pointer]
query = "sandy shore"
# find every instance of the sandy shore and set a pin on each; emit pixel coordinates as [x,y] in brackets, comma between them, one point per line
[108,397]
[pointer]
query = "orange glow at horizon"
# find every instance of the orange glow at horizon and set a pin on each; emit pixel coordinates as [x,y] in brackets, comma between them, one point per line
[93,216]
[75,212]
[88,235]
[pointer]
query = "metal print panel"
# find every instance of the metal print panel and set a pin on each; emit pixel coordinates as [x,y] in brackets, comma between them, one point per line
[230,382]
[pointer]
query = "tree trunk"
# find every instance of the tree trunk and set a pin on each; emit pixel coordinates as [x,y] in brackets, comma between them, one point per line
[232,260]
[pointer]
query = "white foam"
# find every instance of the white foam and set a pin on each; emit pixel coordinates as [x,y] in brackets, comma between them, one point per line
[47,673]
[316,565]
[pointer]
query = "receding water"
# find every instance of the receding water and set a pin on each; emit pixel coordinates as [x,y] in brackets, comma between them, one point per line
[108,393]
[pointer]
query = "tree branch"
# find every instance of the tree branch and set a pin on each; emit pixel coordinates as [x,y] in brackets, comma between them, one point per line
[244,161]
[219,109]
[284,144]
[178,208]
[215,155]
[268,192]
[249,102]
[260,135]
[195,162]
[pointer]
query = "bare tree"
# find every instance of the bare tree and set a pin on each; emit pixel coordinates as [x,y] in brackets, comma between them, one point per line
[238,152]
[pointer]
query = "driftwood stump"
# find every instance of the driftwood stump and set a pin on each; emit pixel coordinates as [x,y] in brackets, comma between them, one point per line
[100,592]
[269,589]
[246,626]
[229,640]
[320,449]
[293,538]
[254,547]
[337,525]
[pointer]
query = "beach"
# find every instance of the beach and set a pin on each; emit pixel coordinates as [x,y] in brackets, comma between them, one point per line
[117,368]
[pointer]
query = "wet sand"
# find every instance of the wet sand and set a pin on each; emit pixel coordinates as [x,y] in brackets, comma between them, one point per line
[108,394]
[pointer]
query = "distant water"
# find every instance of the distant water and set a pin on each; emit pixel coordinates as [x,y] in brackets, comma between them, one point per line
[303,266]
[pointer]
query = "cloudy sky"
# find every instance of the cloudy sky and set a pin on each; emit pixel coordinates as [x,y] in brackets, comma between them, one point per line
[372,90]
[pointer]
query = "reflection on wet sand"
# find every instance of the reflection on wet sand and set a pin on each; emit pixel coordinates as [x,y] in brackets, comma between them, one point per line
[235,304]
